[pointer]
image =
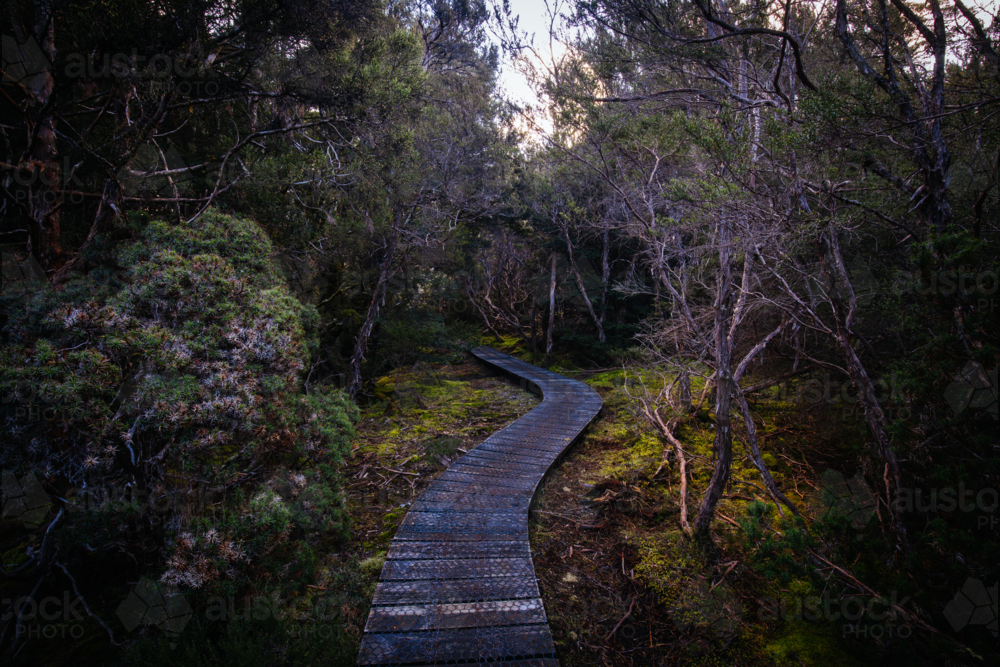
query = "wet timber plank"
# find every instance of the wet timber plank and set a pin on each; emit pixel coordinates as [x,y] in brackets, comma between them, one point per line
[458,584]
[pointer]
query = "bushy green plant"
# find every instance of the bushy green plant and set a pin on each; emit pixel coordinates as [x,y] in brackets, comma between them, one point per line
[178,363]
[200,346]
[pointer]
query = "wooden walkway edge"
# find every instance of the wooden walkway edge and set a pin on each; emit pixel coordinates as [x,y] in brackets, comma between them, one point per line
[458,585]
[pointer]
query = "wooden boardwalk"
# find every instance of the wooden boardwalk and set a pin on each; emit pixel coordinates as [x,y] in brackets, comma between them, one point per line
[458,585]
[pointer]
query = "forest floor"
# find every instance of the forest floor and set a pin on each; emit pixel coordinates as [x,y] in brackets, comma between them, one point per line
[622,584]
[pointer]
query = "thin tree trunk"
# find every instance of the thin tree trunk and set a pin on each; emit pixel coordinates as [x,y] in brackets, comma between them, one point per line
[107,211]
[723,444]
[656,298]
[552,308]
[378,298]
[684,390]
[752,446]
[44,196]
[667,431]
[534,342]
[652,414]
[605,274]
[754,451]
[877,424]
[580,286]
[704,392]
[833,264]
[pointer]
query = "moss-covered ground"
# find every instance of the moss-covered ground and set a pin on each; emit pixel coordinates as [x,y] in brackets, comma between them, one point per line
[622,584]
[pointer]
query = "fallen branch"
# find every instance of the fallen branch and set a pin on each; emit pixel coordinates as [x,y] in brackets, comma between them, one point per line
[627,614]
[667,431]
[728,570]
[652,414]
[907,616]
[594,526]
[400,472]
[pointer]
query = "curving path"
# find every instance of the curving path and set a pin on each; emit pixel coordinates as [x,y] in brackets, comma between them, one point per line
[458,585]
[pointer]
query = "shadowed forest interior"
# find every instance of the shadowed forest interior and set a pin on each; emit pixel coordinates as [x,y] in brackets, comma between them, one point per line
[248,246]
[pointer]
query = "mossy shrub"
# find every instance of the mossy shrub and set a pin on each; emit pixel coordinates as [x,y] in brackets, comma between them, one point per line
[180,356]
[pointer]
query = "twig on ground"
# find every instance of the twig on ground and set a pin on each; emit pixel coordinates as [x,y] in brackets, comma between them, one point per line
[627,614]
[400,472]
[581,524]
[728,570]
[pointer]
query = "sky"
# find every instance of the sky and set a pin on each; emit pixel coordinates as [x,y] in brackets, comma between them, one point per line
[533,19]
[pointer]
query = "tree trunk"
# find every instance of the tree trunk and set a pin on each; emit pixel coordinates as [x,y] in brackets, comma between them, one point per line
[44,198]
[107,211]
[605,274]
[752,446]
[684,391]
[534,341]
[581,287]
[754,451]
[378,298]
[723,444]
[833,265]
[878,425]
[552,307]
[667,430]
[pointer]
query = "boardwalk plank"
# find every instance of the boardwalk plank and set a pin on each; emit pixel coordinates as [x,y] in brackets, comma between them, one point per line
[458,584]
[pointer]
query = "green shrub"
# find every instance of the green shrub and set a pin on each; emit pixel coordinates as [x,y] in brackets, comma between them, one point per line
[176,361]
